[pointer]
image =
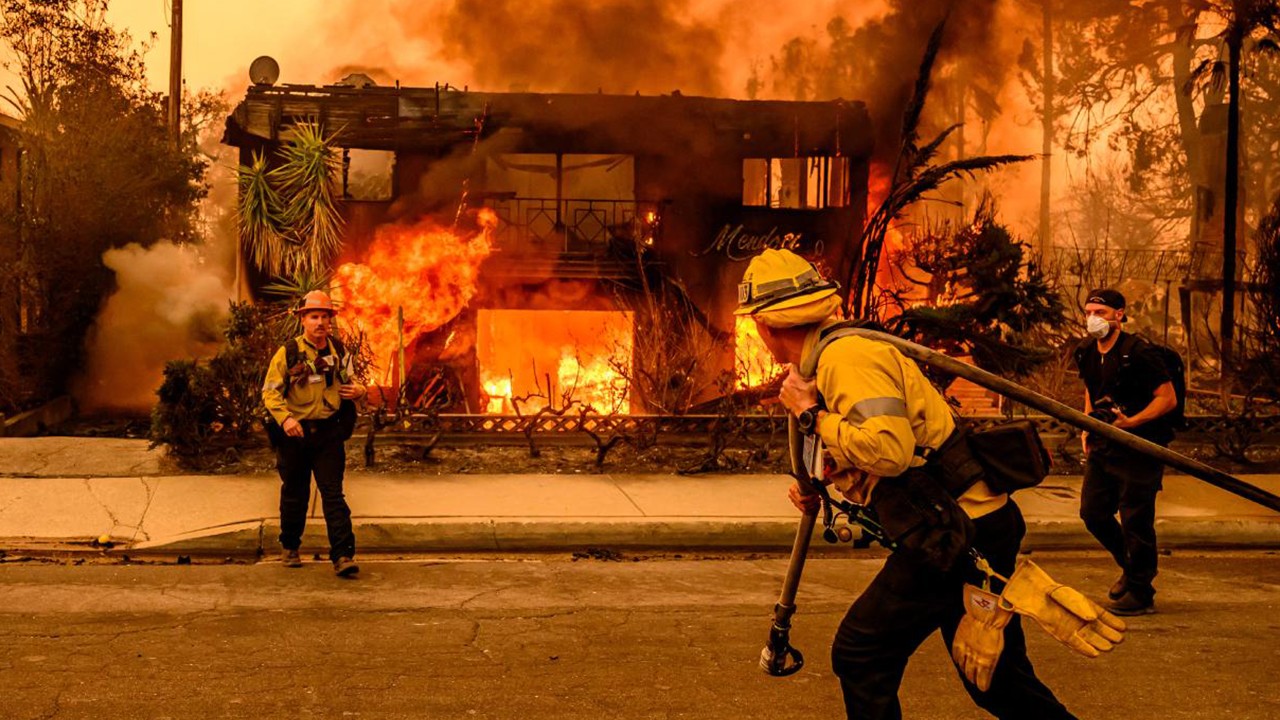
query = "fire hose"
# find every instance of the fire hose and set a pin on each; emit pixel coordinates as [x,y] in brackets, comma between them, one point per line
[778,658]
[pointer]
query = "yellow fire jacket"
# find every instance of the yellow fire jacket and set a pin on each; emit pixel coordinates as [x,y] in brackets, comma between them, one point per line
[308,398]
[880,409]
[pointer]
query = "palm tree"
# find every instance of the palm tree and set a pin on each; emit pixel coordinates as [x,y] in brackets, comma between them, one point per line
[289,220]
[259,215]
[913,177]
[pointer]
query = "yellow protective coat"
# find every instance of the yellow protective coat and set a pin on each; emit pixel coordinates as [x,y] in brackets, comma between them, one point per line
[880,409]
[306,401]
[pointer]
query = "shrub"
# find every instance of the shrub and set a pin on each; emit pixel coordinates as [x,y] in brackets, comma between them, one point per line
[217,404]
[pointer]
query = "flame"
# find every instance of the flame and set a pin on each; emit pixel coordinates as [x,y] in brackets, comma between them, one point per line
[428,271]
[498,391]
[754,363]
[597,383]
[530,355]
[879,183]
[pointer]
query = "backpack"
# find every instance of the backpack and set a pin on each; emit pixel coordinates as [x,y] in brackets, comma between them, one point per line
[1168,357]
[1177,370]
[346,413]
[1009,456]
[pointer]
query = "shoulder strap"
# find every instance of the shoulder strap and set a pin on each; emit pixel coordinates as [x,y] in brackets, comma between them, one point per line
[292,353]
[1129,341]
[1082,349]
[809,366]
[849,328]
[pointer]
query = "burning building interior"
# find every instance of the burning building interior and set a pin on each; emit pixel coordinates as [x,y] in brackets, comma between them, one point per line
[507,252]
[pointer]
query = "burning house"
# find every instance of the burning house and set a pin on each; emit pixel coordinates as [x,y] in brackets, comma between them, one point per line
[531,248]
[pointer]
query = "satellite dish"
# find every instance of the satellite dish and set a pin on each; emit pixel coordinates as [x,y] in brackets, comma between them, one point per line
[264,71]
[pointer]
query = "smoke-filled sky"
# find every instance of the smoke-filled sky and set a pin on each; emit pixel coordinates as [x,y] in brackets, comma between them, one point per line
[698,46]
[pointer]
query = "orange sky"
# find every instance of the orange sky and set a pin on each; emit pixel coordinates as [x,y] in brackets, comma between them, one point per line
[221,38]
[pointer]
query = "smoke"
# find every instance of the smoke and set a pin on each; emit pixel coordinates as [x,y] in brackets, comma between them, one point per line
[618,46]
[877,60]
[817,50]
[700,47]
[168,305]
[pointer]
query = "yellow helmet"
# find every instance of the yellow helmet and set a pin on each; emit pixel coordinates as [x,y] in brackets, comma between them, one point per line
[779,280]
[316,300]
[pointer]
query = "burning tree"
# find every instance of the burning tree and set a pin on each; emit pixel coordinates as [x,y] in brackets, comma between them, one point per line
[971,290]
[913,177]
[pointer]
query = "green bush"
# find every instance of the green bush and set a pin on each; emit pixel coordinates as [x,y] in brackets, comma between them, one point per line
[217,404]
[185,416]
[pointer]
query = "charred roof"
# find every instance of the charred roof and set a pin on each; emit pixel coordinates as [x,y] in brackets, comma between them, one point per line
[439,119]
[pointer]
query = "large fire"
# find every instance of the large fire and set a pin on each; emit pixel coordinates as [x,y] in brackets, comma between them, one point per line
[423,272]
[556,358]
[753,363]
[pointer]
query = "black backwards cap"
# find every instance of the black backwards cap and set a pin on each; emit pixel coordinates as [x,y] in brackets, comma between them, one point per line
[1108,297]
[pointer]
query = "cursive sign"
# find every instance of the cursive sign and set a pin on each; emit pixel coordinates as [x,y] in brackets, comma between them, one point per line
[736,243]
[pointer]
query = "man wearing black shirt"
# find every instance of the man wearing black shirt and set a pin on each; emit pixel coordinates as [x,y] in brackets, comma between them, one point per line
[1126,384]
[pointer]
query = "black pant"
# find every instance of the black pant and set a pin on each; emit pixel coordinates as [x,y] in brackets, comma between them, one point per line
[319,451]
[1124,481]
[906,603]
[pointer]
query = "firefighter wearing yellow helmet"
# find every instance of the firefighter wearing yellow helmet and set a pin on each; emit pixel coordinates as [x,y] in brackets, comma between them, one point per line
[889,440]
[310,395]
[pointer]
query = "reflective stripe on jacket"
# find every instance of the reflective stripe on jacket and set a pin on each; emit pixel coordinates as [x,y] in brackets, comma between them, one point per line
[881,408]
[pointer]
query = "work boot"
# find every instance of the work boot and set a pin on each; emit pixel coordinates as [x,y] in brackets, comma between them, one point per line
[1118,589]
[345,567]
[291,559]
[1129,604]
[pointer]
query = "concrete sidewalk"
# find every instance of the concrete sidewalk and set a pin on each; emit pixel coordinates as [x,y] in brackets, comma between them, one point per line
[515,513]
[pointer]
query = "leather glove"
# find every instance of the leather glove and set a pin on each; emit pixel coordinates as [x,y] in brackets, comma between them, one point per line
[979,637]
[1071,618]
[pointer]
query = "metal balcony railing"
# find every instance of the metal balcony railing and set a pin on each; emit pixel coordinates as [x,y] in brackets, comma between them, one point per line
[573,226]
[1110,265]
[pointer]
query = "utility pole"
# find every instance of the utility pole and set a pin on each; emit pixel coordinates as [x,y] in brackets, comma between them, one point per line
[175,72]
[1046,130]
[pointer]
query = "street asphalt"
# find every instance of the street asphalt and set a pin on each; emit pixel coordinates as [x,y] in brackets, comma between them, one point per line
[549,638]
[85,494]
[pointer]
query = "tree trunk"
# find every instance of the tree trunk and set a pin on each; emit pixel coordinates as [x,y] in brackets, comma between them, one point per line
[1231,199]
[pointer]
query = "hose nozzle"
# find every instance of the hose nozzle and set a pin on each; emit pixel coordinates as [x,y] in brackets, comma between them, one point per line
[778,658]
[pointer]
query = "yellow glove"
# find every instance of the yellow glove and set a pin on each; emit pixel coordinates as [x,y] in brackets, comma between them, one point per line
[979,637]
[1071,618]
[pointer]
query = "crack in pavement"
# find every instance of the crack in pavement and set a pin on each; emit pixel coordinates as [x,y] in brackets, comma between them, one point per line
[491,591]
[630,499]
[57,705]
[115,521]
[151,494]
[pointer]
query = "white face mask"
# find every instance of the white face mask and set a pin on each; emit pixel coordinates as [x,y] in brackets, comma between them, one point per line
[1097,327]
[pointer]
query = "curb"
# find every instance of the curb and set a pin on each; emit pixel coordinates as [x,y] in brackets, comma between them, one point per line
[505,535]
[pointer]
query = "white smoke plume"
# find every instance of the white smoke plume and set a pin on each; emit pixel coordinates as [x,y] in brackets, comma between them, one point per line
[168,305]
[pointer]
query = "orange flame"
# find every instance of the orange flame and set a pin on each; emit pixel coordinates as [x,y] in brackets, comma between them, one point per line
[428,271]
[754,363]
[879,183]
[529,355]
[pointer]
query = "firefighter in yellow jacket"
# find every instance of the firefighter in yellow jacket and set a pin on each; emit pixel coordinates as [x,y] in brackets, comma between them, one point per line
[310,394]
[880,419]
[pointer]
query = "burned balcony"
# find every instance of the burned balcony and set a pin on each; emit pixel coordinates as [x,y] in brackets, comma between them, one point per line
[582,236]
